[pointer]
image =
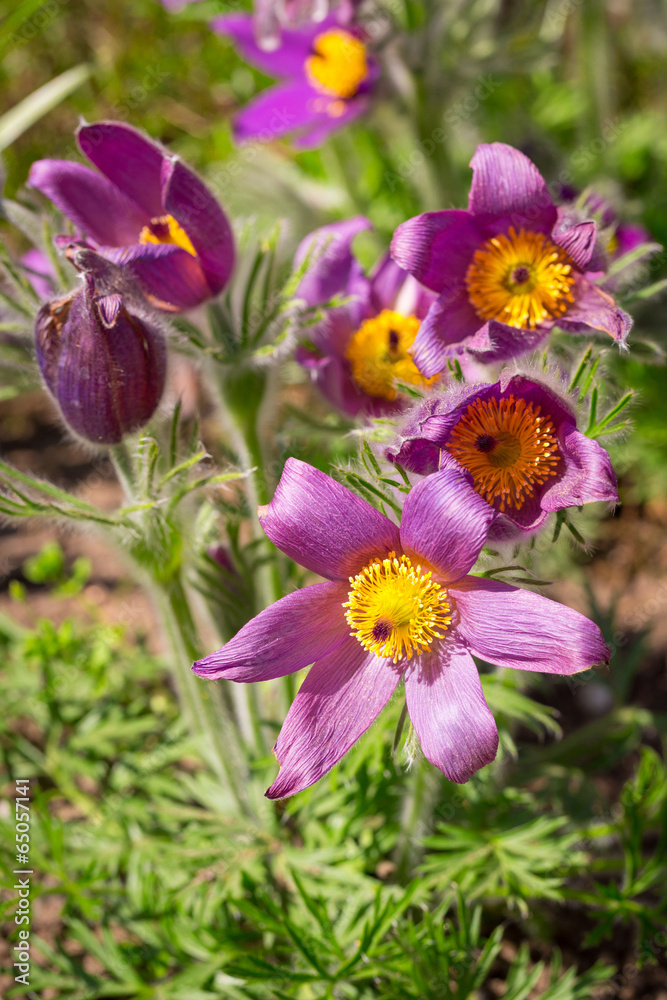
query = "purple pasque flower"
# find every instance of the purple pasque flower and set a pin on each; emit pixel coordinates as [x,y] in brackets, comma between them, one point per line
[519,441]
[396,603]
[359,350]
[327,79]
[103,363]
[506,270]
[145,211]
[40,272]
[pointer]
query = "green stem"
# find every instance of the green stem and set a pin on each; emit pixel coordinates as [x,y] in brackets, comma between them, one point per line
[418,802]
[208,716]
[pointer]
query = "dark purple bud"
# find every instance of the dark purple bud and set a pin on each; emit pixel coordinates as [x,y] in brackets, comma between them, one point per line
[104,365]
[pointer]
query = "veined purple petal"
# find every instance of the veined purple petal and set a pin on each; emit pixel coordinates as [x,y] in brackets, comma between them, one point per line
[170,278]
[90,201]
[130,160]
[508,189]
[287,636]
[288,59]
[499,342]
[334,268]
[588,475]
[578,241]
[445,522]
[323,526]
[189,201]
[516,628]
[447,707]
[594,309]
[339,699]
[437,247]
[446,331]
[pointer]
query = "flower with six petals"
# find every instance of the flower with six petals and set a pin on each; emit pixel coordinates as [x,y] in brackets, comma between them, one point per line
[397,603]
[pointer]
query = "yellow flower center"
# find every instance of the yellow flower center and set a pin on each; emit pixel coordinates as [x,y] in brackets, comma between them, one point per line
[338,65]
[394,609]
[378,355]
[165,229]
[508,448]
[522,279]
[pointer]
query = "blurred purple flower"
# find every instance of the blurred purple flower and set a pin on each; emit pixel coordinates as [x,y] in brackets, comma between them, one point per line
[361,349]
[397,603]
[270,17]
[519,441]
[40,272]
[328,78]
[145,212]
[104,365]
[506,270]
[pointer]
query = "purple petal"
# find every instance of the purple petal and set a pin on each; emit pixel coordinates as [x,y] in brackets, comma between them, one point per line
[90,201]
[333,267]
[446,706]
[498,342]
[40,272]
[130,160]
[339,699]
[508,188]
[445,522]
[193,206]
[169,277]
[629,237]
[588,475]
[437,247]
[578,241]
[393,288]
[287,60]
[515,628]
[287,636]
[277,111]
[594,309]
[316,134]
[323,526]
[449,326]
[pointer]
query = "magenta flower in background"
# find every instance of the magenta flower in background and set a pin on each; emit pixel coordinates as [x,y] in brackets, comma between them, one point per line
[104,365]
[519,441]
[506,270]
[145,212]
[327,79]
[40,272]
[397,603]
[359,350]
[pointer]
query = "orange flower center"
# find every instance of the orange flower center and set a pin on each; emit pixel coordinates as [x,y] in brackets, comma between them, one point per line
[508,447]
[378,355]
[165,229]
[338,65]
[522,279]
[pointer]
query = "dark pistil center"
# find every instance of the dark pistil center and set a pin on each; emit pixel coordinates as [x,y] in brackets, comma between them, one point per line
[520,275]
[394,340]
[382,630]
[485,443]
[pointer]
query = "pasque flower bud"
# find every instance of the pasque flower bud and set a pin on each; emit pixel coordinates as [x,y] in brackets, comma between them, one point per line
[104,365]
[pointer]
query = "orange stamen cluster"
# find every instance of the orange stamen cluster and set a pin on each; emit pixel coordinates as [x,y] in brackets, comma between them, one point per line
[379,358]
[509,448]
[338,65]
[165,229]
[521,279]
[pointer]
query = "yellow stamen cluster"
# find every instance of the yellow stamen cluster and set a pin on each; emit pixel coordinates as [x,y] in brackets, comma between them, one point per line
[338,65]
[394,609]
[378,354]
[508,447]
[165,229]
[522,279]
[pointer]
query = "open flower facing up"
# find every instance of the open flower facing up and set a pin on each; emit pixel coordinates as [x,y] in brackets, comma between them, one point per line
[328,77]
[519,441]
[145,212]
[104,365]
[506,270]
[360,350]
[397,603]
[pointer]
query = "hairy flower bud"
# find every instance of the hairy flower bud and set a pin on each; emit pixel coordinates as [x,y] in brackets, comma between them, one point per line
[103,364]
